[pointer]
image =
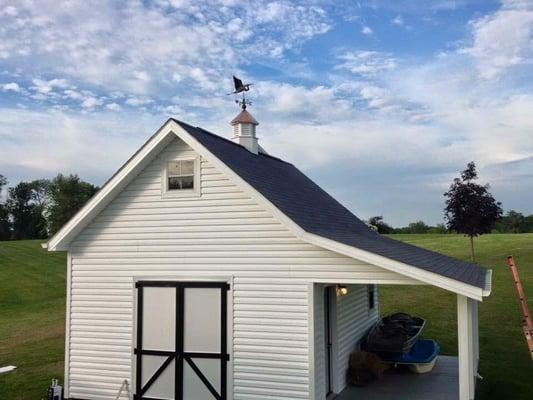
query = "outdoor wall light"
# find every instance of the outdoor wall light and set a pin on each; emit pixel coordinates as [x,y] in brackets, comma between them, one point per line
[342,290]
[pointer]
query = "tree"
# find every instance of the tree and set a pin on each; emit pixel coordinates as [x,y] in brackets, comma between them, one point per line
[5,224]
[470,208]
[512,222]
[26,206]
[67,195]
[380,224]
[438,229]
[417,227]
[528,223]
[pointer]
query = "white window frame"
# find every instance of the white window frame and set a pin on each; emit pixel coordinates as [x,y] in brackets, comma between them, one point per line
[194,192]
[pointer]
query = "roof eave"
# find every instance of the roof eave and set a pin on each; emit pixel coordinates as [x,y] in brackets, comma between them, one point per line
[408,270]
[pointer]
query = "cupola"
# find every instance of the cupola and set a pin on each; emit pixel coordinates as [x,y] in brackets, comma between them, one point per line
[244,130]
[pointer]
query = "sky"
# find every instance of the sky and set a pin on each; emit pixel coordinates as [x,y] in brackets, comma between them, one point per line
[381,102]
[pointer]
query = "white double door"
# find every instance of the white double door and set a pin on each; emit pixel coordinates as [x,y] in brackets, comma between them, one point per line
[181,340]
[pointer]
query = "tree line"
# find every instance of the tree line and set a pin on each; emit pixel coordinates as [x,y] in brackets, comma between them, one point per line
[512,222]
[39,208]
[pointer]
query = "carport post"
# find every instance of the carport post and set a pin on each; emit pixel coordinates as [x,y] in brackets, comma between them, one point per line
[475,333]
[465,338]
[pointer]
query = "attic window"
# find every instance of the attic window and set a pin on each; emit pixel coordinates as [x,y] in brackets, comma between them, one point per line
[180,175]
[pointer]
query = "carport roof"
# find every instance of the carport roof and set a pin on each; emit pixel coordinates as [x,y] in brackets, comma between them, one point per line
[316,212]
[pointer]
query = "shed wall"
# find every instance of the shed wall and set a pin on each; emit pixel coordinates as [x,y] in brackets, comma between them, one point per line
[351,319]
[354,318]
[223,232]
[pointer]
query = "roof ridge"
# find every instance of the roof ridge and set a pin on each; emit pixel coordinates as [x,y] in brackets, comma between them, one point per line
[228,140]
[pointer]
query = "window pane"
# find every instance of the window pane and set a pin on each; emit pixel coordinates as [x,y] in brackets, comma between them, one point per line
[187,182]
[187,167]
[174,168]
[180,182]
[174,183]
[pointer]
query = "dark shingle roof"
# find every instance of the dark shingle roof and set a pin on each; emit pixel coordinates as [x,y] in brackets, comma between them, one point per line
[315,211]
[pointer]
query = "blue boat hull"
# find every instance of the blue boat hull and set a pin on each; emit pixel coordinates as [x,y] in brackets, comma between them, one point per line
[424,351]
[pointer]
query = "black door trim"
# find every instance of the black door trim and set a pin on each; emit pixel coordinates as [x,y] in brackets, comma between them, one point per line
[179,355]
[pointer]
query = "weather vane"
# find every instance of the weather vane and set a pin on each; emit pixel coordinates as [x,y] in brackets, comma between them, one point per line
[241,88]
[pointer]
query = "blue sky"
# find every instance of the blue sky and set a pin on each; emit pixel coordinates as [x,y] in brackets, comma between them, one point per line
[380,102]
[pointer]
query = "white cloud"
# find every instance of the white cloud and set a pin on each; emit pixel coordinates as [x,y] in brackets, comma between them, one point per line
[378,97]
[366,62]
[113,107]
[10,87]
[291,102]
[398,20]
[503,39]
[9,11]
[91,102]
[138,101]
[45,87]
[136,47]
[383,123]
[68,142]
[366,30]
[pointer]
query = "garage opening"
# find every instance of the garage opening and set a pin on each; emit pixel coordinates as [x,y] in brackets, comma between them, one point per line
[181,345]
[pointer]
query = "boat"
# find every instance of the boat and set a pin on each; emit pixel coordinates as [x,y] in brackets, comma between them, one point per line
[396,333]
[420,359]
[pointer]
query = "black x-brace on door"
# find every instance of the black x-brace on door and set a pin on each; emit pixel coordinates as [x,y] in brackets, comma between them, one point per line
[182,358]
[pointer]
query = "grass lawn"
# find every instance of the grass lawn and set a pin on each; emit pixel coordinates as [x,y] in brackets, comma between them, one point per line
[32,318]
[32,314]
[505,364]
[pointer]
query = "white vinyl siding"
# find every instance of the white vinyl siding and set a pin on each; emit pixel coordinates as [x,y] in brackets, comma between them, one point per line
[223,232]
[353,320]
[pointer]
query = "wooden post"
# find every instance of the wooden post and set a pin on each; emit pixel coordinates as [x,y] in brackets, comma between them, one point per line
[466,347]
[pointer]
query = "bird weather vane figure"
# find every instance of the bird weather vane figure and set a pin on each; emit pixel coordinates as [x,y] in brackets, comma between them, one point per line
[241,88]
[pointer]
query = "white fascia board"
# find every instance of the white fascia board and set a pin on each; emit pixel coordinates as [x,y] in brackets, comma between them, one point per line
[61,240]
[419,274]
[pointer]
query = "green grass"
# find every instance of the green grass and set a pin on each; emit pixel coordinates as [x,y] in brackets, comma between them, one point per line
[32,314]
[505,364]
[32,318]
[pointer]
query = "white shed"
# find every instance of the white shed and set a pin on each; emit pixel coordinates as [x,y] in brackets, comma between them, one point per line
[206,269]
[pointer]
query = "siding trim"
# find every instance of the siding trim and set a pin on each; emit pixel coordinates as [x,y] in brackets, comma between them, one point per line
[67,325]
[311,338]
